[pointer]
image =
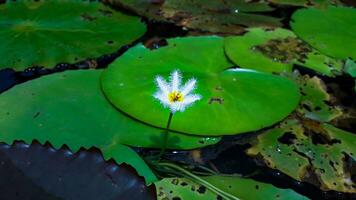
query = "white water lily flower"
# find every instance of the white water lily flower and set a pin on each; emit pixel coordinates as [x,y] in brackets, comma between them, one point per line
[174,96]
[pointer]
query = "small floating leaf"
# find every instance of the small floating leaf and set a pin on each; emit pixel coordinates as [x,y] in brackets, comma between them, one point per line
[46,33]
[233,101]
[277,51]
[42,172]
[330,30]
[316,102]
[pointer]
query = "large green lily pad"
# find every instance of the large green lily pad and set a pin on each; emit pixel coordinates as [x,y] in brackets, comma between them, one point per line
[216,16]
[233,101]
[46,33]
[242,188]
[276,51]
[68,108]
[330,30]
[42,172]
[309,151]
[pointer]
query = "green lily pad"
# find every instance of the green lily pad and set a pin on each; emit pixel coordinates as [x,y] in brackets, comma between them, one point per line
[309,149]
[216,16]
[307,3]
[46,33]
[182,188]
[330,30]
[48,104]
[277,51]
[316,103]
[69,108]
[233,101]
[41,172]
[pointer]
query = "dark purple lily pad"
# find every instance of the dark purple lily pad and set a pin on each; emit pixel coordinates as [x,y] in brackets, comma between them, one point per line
[41,172]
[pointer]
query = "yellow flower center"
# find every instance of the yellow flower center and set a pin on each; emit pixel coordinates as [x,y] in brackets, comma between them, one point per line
[175,96]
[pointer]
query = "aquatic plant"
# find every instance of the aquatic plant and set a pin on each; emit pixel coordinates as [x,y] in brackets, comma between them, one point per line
[175,96]
[227,92]
[47,33]
[277,51]
[334,27]
[274,104]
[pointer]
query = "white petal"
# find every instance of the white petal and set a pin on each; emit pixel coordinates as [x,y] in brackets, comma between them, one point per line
[162,85]
[163,98]
[188,87]
[175,80]
[190,99]
[176,106]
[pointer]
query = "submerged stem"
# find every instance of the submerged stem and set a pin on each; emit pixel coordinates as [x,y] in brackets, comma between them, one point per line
[199,180]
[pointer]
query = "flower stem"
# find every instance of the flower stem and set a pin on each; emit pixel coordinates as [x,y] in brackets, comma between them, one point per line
[165,136]
[199,180]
